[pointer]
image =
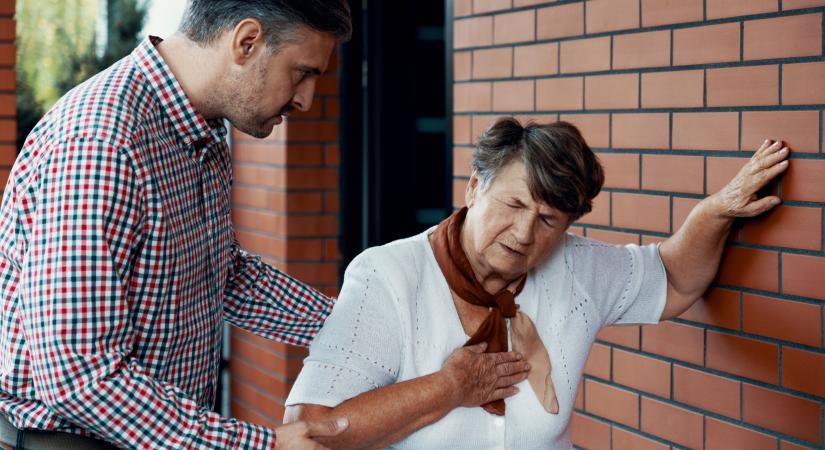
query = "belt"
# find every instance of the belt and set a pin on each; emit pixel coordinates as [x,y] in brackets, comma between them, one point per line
[12,438]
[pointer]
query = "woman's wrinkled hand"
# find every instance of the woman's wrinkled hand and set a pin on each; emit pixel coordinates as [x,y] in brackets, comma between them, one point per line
[478,378]
[739,197]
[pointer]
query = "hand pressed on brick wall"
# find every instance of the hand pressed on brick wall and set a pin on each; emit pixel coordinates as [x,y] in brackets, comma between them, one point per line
[691,256]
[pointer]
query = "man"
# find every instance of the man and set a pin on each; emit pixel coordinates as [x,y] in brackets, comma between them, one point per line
[118,263]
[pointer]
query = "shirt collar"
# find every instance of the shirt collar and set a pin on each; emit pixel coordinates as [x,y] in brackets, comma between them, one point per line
[190,127]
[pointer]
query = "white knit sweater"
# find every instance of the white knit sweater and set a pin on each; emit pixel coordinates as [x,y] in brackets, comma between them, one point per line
[395,320]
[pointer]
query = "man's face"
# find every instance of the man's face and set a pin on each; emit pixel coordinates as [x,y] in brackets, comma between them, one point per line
[507,231]
[270,86]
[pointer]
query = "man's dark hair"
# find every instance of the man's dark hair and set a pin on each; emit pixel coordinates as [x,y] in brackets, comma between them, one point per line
[205,20]
[562,171]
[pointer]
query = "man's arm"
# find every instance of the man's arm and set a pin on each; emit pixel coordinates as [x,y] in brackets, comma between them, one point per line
[691,256]
[263,300]
[388,414]
[76,315]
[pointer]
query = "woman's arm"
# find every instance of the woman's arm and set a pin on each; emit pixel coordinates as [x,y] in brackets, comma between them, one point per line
[691,256]
[385,415]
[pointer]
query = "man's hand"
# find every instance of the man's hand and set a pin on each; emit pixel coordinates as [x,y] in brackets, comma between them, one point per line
[478,378]
[738,198]
[299,435]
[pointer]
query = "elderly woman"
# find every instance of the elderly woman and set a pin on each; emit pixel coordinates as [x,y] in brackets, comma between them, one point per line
[504,272]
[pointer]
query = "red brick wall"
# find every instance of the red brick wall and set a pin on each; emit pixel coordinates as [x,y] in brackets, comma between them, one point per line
[285,208]
[8,84]
[674,95]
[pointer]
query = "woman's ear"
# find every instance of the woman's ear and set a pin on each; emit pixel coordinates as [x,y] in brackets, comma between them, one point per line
[472,189]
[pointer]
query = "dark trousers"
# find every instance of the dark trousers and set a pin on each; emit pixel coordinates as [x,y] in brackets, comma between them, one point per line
[13,439]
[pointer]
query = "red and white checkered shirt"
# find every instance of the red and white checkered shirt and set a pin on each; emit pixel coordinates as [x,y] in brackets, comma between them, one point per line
[118,266]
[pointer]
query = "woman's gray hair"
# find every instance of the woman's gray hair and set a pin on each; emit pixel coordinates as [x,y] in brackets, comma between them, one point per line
[562,170]
[205,20]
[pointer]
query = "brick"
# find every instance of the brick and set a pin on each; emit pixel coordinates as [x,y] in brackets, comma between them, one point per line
[8,54]
[791,446]
[317,274]
[621,170]
[462,158]
[627,336]
[8,80]
[255,197]
[681,209]
[311,131]
[282,225]
[459,188]
[801,275]
[706,44]
[783,37]
[462,66]
[786,226]
[643,130]
[743,86]
[781,412]
[706,391]
[672,423]
[462,129]
[579,404]
[462,8]
[518,3]
[674,340]
[649,49]
[717,9]
[673,173]
[598,362]
[600,215]
[257,398]
[585,55]
[625,440]
[718,307]
[611,15]
[798,129]
[612,237]
[641,372]
[7,29]
[658,91]
[611,403]
[802,83]
[617,91]
[536,60]
[493,63]
[524,119]
[666,12]
[331,202]
[472,97]
[803,371]
[590,433]
[514,27]
[560,21]
[483,6]
[514,96]
[474,32]
[797,4]
[8,154]
[594,127]
[727,436]
[721,170]
[7,7]
[559,94]
[803,182]
[743,356]
[641,212]
[757,269]
[706,131]
[480,125]
[782,319]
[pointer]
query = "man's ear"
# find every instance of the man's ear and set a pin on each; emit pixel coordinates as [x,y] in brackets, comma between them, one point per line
[472,189]
[247,41]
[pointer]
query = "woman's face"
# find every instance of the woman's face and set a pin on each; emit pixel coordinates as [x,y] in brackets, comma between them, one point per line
[507,232]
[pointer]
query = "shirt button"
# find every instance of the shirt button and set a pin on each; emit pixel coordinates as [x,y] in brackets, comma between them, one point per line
[499,421]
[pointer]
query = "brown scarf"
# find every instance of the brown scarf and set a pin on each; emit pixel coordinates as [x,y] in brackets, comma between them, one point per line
[460,277]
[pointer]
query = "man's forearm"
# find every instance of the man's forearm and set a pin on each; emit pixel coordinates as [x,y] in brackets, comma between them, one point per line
[385,415]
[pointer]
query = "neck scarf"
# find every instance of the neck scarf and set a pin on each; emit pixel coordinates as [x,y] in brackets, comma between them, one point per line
[460,277]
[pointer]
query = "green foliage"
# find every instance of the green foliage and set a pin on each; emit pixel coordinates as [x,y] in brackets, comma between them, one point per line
[57,48]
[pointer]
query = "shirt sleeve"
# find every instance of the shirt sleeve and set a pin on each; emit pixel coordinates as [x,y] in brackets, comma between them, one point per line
[360,347]
[628,283]
[76,311]
[263,300]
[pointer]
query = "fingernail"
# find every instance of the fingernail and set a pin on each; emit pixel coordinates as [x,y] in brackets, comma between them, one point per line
[784,163]
[784,150]
[342,422]
[776,201]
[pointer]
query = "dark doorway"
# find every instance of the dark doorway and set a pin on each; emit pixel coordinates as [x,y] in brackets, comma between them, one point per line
[396,162]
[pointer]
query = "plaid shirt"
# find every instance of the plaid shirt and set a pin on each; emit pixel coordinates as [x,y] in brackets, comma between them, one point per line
[118,266]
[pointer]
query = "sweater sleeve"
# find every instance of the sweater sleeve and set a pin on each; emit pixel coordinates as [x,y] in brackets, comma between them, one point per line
[359,347]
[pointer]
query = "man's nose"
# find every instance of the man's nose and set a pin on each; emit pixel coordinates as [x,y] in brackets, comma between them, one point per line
[302,100]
